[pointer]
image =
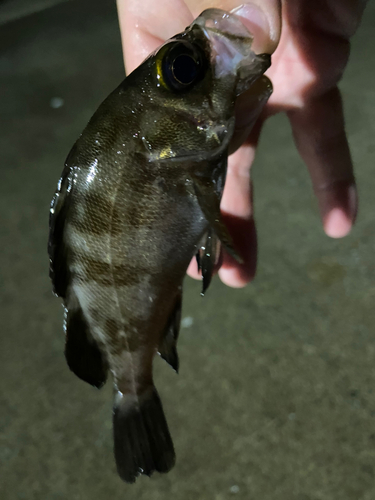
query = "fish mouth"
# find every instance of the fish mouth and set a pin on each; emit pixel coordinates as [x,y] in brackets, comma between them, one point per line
[231,42]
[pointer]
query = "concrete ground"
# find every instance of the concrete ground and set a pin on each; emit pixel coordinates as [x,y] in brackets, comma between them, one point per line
[275,398]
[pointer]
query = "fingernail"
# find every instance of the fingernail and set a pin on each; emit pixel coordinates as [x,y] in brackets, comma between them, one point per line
[338,221]
[256,21]
[232,278]
[337,224]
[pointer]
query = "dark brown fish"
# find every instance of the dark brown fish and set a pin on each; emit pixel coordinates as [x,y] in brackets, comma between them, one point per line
[139,196]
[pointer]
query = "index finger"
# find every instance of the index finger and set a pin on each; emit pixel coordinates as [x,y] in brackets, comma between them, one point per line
[146,25]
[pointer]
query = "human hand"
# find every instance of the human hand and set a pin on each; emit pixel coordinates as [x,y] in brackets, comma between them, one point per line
[308,63]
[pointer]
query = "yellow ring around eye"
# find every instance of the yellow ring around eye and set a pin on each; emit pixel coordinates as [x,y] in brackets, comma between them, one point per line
[159,66]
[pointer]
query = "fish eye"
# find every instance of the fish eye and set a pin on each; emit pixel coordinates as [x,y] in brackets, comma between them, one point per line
[182,66]
[184,69]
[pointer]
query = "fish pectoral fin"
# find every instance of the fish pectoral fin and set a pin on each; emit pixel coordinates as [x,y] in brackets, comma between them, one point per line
[209,202]
[82,353]
[207,258]
[168,345]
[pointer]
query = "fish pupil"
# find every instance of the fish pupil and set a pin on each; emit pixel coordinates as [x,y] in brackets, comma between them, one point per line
[184,69]
[180,66]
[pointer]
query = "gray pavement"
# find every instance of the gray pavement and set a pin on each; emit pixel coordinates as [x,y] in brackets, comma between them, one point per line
[275,397]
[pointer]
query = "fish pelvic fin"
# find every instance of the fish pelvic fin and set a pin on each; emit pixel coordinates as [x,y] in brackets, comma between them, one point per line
[82,353]
[142,442]
[208,189]
[168,345]
[207,257]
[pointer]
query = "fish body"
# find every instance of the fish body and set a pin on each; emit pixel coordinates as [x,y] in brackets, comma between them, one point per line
[139,193]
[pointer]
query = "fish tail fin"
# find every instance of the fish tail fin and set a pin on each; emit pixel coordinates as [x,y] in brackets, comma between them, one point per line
[141,436]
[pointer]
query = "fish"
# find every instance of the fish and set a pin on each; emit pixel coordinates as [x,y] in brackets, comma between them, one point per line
[139,196]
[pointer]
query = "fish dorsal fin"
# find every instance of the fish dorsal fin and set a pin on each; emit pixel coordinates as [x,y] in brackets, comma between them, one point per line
[168,345]
[57,250]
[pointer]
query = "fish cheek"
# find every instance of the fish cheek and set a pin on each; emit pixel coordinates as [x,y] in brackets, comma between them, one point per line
[175,136]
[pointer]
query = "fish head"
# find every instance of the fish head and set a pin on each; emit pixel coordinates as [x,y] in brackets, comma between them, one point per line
[190,85]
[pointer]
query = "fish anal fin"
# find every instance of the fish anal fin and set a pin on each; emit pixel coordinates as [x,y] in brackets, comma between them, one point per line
[82,353]
[168,345]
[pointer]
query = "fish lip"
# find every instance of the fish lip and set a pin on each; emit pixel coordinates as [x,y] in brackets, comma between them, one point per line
[248,76]
[231,51]
[218,20]
[264,61]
